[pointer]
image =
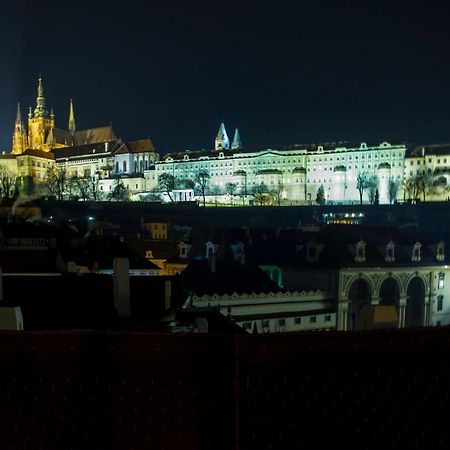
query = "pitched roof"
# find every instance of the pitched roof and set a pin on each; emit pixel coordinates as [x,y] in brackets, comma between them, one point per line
[229,277]
[95,135]
[434,149]
[38,153]
[336,247]
[59,136]
[327,146]
[99,149]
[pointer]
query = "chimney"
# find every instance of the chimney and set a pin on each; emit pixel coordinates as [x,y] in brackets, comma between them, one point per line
[242,255]
[167,294]
[121,284]
[212,262]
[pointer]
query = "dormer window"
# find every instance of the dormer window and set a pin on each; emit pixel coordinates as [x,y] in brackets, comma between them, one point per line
[210,249]
[390,255]
[416,252]
[440,255]
[183,250]
[360,251]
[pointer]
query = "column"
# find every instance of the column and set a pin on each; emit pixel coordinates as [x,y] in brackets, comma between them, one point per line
[402,311]
[342,315]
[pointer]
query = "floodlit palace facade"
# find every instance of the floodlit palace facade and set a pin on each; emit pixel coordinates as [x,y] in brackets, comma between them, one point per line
[234,174]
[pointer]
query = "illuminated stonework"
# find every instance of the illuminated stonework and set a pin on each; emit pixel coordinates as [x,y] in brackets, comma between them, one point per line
[293,175]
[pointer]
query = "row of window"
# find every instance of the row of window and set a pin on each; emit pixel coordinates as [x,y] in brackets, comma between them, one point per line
[420,161]
[265,324]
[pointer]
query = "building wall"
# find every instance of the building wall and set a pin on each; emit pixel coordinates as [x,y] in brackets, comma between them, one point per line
[294,175]
[274,312]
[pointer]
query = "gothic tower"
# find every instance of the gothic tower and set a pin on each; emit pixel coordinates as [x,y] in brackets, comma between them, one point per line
[40,122]
[72,125]
[222,141]
[19,139]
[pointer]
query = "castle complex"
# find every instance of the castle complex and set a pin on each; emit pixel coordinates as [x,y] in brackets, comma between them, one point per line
[343,172]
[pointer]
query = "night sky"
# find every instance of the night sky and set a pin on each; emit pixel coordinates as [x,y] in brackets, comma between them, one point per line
[283,72]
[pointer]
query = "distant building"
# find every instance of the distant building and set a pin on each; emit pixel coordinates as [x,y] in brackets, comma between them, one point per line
[291,175]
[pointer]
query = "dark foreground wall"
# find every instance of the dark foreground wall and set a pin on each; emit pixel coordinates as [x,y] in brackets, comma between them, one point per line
[142,391]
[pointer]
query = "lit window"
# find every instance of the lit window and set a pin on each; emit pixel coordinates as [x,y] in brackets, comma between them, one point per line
[441,280]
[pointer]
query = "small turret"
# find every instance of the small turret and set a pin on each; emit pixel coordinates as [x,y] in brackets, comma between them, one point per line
[222,141]
[72,125]
[237,143]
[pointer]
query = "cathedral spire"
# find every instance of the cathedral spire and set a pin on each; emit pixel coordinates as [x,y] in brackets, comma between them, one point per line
[19,115]
[40,110]
[72,125]
[237,143]
[222,141]
[19,139]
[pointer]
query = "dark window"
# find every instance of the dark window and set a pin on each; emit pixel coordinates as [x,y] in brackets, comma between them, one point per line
[298,320]
[328,318]
[440,302]
[281,322]
[312,319]
[265,323]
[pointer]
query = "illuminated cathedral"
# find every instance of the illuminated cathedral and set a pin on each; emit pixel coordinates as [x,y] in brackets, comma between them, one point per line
[43,135]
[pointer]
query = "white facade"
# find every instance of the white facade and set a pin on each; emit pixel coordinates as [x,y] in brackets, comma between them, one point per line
[274,312]
[294,175]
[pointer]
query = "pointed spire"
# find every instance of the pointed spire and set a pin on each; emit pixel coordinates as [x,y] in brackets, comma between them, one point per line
[40,110]
[19,138]
[19,115]
[222,141]
[72,125]
[237,143]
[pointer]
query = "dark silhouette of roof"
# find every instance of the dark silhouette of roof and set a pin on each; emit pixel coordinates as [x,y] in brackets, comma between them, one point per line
[229,277]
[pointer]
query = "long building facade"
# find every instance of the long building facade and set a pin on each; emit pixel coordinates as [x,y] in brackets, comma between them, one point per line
[332,173]
[295,174]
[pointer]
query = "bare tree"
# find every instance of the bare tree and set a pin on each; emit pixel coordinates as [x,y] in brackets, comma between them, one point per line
[393,187]
[95,193]
[260,193]
[201,184]
[361,184]
[8,183]
[82,187]
[230,189]
[166,184]
[277,193]
[57,181]
[372,188]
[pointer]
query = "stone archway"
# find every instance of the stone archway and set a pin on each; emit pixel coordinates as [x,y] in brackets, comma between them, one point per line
[390,292]
[359,296]
[415,303]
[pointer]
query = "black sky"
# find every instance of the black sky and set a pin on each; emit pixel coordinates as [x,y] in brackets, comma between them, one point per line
[283,72]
